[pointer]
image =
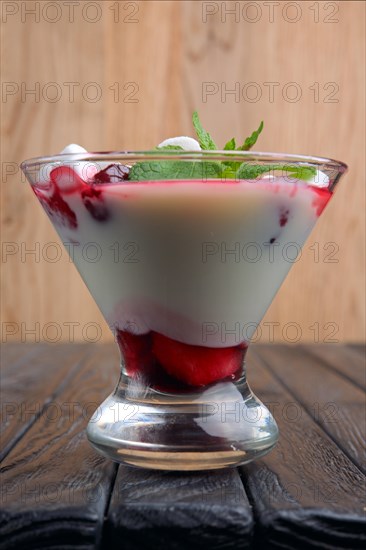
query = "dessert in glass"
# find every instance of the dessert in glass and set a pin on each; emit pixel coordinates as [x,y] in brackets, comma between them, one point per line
[191,247]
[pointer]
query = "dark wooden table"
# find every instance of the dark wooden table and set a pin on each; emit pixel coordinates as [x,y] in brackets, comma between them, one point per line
[57,492]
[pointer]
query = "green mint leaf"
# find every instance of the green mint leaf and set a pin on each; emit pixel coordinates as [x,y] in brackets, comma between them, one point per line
[252,171]
[251,140]
[204,138]
[229,165]
[299,172]
[207,169]
[175,170]
[230,145]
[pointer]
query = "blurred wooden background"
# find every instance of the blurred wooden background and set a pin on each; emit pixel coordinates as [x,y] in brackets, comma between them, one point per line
[125,75]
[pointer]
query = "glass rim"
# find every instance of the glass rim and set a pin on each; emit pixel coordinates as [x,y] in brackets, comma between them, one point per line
[240,156]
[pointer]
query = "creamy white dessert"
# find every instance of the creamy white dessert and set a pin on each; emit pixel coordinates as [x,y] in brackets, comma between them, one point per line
[197,262]
[183,248]
[183,255]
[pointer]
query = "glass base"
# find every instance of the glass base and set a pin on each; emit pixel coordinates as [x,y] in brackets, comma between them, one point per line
[222,425]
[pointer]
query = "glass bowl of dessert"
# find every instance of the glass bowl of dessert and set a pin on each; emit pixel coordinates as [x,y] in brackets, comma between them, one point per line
[192,245]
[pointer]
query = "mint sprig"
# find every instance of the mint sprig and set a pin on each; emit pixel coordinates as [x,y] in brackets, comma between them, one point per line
[252,139]
[230,145]
[250,171]
[248,144]
[204,139]
[207,169]
[174,170]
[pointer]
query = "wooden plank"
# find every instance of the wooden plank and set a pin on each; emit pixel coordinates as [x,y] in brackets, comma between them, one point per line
[331,400]
[55,487]
[178,510]
[344,360]
[30,383]
[306,493]
[359,348]
[11,353]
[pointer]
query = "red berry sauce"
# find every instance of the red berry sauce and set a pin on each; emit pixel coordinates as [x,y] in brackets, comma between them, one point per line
[168,364]
[320,200]
[57,208]
[65,181]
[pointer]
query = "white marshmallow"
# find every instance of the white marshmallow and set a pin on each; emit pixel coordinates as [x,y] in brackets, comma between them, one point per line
[187,143]
[72,149]
[84,169]
[44,173]
[320,179]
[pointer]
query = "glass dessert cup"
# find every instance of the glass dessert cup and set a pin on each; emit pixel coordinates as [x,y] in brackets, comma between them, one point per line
[183,272]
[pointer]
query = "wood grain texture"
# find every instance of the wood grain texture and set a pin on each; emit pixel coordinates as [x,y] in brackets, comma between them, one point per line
[10,354]
[55,487]
[337,405]
[349,362]
[178,510]
[43,373]
[168,51]
[359,348]
[57,493]
[306,493]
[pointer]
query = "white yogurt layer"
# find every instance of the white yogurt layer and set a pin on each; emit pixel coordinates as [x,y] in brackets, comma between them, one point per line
[196,262]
